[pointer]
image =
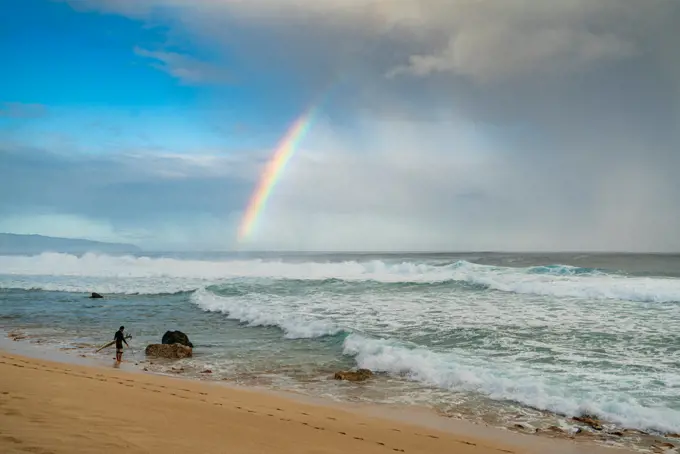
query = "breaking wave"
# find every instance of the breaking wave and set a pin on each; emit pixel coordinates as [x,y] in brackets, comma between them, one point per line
[568,396]
[294,327]
[129,274]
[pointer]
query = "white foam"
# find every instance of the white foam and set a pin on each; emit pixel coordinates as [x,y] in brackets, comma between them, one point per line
[564,394]
[128,274]
[294,326]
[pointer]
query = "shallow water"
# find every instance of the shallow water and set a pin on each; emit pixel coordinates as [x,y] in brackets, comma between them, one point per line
[498,338]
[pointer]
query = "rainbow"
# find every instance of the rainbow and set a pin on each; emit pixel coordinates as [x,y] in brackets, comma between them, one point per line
[274,170]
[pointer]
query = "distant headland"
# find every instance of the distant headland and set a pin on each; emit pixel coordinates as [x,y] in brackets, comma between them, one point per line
[11,243]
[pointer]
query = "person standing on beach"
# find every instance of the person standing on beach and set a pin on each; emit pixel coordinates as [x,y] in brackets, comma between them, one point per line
[119,337]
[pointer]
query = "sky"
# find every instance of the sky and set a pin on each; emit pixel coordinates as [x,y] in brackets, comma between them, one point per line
[437,125]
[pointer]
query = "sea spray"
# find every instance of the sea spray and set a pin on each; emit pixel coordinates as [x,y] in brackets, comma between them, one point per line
[128,274]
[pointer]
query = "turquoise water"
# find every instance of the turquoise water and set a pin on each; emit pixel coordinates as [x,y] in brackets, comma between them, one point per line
[488,337]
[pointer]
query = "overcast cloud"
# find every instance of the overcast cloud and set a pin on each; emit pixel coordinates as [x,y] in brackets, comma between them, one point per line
[461,125]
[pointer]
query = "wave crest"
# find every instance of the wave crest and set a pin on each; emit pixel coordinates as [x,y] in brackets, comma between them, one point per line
[128,274]
[294,327]
[507,382]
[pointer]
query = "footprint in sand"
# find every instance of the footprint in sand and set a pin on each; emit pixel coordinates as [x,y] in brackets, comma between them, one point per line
[12,439]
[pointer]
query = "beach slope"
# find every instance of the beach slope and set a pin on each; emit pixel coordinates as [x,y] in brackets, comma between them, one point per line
[48,407]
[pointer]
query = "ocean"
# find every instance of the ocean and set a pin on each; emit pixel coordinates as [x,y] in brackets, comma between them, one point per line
[500,339]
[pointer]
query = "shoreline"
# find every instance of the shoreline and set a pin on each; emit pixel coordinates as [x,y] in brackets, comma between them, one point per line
[450,435]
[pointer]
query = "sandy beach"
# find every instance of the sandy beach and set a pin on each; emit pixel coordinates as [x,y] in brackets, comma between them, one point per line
[51,407]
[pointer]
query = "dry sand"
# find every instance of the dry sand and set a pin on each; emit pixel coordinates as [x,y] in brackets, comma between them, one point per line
[48,407]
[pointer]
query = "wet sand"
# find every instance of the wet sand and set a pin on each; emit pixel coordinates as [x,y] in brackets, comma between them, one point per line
[51,407]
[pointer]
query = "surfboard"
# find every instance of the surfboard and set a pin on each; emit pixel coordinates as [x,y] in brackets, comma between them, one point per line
[111,343]
[106,345]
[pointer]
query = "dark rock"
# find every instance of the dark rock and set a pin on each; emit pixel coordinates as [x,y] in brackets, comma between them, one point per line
[591,421]
[16,336]
[525,428]
[672,435]
[95,295]
[207,371]
[617,433]
[554,429]
[176,337]
[359,375]
[172,351]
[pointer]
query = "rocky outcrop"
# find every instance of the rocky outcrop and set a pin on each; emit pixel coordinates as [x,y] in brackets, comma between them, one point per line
[523,428]
[359,375]
[95,295]
[553,430]
[589,420]
[170,351]
[176,337]
[16,336]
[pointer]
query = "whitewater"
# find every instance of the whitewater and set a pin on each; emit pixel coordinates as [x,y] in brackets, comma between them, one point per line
[468,334]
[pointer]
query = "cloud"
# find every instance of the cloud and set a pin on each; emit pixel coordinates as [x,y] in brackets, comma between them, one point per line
[490,54]
[490,60]
[409,186]
[22,110]
[477,39]
[188,70]
[404,192]
[126,192]
[515,124]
